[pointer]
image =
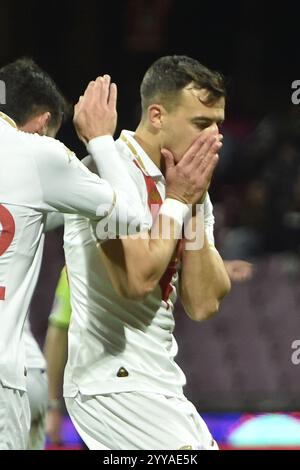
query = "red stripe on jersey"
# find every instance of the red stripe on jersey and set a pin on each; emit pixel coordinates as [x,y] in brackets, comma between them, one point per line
[154,197]
[6,236]
[8,229]
[2,293]
[154,203]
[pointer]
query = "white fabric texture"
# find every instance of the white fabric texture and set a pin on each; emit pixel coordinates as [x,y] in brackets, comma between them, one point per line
[139,421]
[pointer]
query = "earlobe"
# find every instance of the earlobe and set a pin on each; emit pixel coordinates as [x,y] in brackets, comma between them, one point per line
[155,115]
[44,130]
[44,123]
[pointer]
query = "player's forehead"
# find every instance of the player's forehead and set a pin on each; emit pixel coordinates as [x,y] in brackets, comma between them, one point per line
[195,101]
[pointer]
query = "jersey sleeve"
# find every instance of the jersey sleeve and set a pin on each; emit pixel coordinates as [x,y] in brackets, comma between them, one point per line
[61,311]
[68,186]
[129,214]
[113,169]
[209,220]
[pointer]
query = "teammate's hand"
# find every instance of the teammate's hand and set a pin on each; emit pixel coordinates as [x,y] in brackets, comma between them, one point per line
[189,180]
[239,270]
[95,113]
[54,426]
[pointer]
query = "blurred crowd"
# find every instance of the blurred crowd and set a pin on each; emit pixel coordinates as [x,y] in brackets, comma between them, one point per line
[257,186]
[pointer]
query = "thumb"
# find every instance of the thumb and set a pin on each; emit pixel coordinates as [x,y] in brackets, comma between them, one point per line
[169,159]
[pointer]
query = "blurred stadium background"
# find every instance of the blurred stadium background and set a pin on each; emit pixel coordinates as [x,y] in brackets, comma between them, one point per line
[238,365]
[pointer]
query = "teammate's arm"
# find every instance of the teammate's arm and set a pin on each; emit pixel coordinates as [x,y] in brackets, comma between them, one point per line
[67,186]
[55,350]
[96,115]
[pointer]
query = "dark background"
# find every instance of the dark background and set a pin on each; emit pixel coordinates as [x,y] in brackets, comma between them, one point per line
[242,358]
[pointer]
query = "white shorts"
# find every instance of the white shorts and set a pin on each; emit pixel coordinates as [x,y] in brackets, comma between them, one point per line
[138,421]
[37,389]
[14,419]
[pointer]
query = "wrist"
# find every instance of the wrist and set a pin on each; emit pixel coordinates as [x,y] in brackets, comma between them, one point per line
[99,142]
[202,199]
[175,209]
[54,404]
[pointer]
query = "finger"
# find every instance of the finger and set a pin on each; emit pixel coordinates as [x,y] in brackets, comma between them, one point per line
[77,109]
[190,154]
[88,95]
[169,158]
[207,172]
[207,150]
[195,148]
[77,105]
[107,77]
[211,145]
[105,90]
[214,149]
[98,90]
[89,89]
[113,95]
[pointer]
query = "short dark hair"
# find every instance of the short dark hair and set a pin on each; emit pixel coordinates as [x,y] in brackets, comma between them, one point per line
[170,74]
[30,90]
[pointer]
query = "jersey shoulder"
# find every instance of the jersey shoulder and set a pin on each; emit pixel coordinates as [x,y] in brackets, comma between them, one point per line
[44,145]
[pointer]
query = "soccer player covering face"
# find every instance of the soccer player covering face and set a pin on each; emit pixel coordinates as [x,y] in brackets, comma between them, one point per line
[122,387]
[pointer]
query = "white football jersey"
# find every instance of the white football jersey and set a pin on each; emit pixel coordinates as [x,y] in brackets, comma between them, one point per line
[38,175]
[115,344]
[34,356]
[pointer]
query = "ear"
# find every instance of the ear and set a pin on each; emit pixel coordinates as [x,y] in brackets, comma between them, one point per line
[42,123]
[38,124]
[156,113]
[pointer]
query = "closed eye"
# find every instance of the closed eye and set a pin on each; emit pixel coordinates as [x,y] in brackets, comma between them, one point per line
[204,123]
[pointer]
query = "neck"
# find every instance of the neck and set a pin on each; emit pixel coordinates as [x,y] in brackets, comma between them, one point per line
[148,141]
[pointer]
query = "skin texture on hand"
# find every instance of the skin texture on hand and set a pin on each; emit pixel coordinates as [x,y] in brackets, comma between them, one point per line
[95,113]
[189,179]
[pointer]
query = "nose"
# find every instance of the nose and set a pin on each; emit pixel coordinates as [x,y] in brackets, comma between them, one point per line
[214,127]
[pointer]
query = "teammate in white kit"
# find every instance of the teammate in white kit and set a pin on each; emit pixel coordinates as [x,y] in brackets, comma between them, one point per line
[122,387]
[40,175]
[36,367]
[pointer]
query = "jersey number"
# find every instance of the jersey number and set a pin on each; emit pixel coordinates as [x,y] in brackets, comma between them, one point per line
[6,236]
